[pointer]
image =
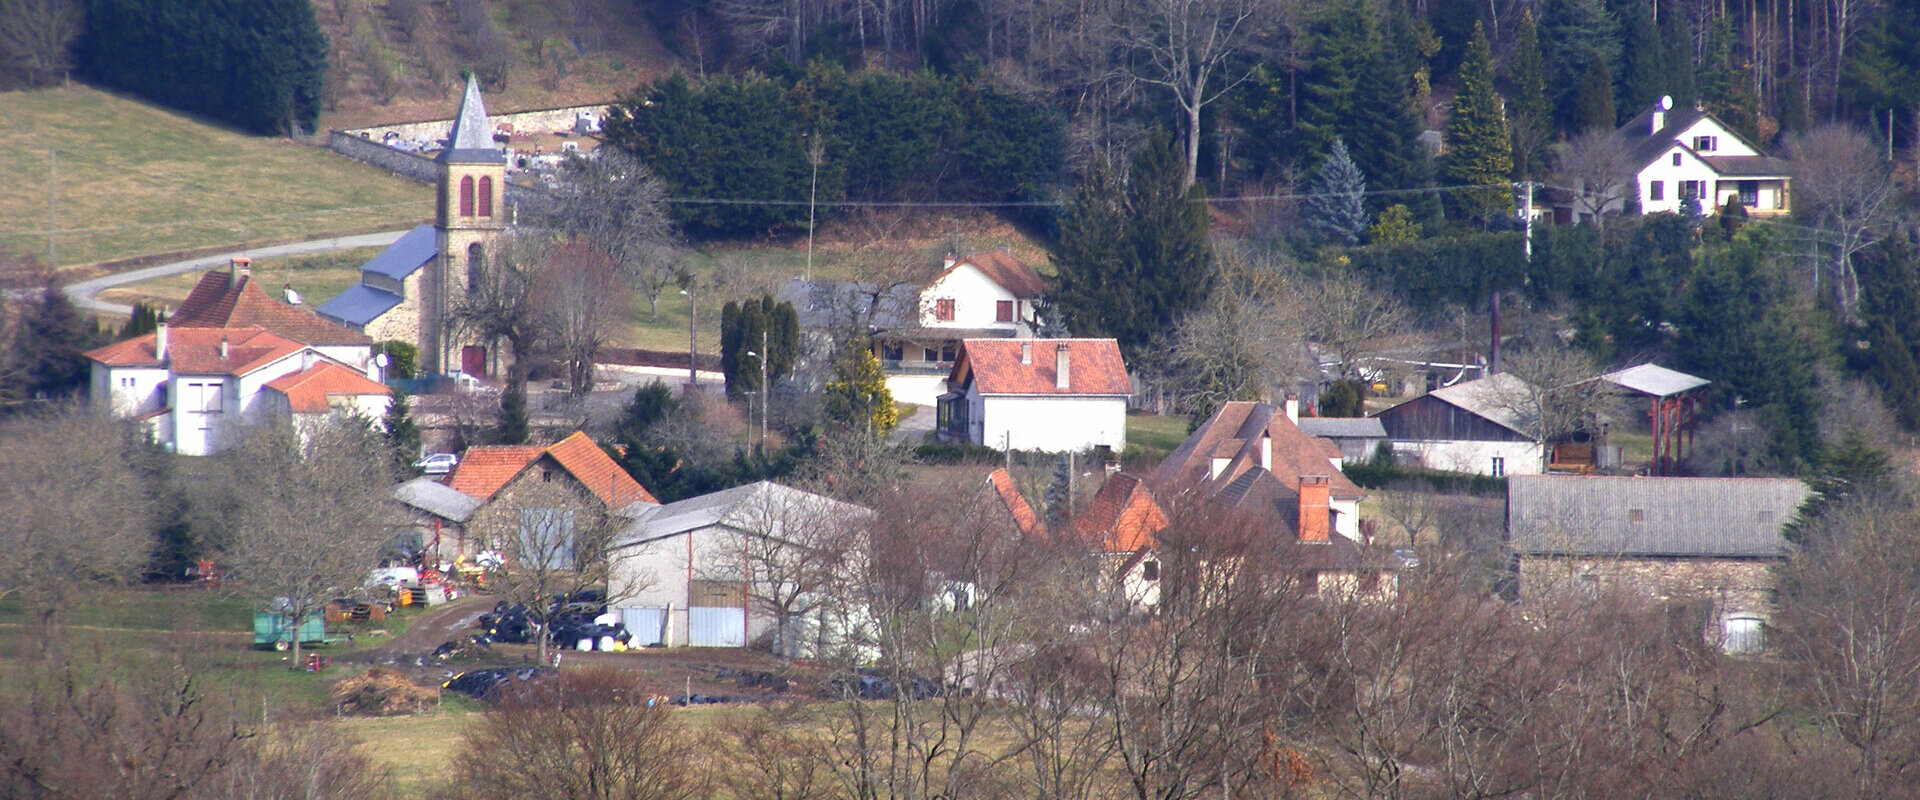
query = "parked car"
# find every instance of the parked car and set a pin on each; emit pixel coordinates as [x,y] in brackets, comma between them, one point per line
[437,463]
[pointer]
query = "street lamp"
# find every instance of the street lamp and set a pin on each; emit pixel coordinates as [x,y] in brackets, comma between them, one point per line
[765,391]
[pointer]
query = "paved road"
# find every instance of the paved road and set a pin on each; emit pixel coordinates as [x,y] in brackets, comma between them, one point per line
[82,293]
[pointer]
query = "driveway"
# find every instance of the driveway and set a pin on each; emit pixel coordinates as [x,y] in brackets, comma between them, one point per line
[82,293]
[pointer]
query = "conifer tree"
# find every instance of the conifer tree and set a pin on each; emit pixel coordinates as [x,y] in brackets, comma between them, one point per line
[1594,102]
[402,435]
[1532,110]
[1086,253]
[1479,147]
[513,427]
[1337,206]
[1169,249]
[1384,132]
[1345,47]
[1643,78]
[1572,34]
[857,398]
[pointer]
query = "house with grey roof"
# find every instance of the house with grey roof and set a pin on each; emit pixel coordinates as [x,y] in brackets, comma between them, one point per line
[1707,543]
[1357,437]
[760,562]
[437,516]
[1676,154]
[1480,426]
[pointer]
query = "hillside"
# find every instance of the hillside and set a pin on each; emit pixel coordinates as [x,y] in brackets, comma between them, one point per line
[134,179]
[400,60]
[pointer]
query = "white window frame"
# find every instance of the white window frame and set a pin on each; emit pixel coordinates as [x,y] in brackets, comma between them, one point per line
[1499,466]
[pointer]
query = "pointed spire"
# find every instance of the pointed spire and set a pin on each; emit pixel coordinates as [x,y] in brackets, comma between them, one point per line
[471,140]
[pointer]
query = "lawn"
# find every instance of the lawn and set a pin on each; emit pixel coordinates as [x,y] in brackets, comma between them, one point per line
[1151,437]
[131,179]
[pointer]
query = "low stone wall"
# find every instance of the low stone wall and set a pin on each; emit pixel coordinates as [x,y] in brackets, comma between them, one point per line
[372,151]
[544,120]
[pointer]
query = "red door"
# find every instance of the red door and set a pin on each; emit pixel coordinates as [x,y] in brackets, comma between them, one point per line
[473,360]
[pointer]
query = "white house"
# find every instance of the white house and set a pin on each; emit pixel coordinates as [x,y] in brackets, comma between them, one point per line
[231,298]
[1686,153]
[1475,426]
[981,296]
[1053,395]
[715,570]
[192,386]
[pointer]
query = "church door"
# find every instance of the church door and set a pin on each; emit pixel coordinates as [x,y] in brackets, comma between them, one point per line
[473,360]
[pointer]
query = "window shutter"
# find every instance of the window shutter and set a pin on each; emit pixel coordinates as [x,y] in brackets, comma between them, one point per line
[486,196]
[466,196]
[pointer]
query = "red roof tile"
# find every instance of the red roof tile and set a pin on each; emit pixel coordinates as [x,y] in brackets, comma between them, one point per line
[995,366]
[484,470]
[1122,518]
[307,390]
[1236,433]
[196,351]
[220,301]
[1002,268]
[1023,517]
[594,468]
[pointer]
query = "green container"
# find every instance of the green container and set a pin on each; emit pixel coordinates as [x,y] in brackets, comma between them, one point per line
[272,630]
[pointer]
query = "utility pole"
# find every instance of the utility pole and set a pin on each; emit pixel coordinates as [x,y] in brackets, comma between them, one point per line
[765,392]
[693,336]
[814,154]
[53,172]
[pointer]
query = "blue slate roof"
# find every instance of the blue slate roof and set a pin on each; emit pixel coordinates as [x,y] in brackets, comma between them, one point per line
[471,140]
[408,253]
[358,305]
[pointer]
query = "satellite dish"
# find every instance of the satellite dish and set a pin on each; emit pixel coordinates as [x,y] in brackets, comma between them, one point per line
[381,360]
[1666,102]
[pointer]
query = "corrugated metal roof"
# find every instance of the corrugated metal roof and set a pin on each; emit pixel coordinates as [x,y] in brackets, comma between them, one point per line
[1562,515]
[1498,398]
[1343,427]
[437,499]
[358,305]
[406,255]
[734,508]
[1655,380]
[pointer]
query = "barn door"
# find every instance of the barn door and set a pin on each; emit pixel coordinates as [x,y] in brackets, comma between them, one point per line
[473,360]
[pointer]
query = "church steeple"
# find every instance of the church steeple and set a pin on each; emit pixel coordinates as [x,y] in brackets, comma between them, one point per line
[471,140]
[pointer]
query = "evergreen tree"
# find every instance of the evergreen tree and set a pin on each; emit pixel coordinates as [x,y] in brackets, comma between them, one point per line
[748,327]
[1644,78]
[1676,61]
[1059,495]
[1346,48]
[1086,255]
[857,398]
[401,433]
[1396,226]
[1479,147]
[1169,249]
[513,426]
[1532,110]
[1337,206]
[51,346]
[1888,326]
[1573,33]
[145,319]
[1383,133]
[1593,106]
[258,64]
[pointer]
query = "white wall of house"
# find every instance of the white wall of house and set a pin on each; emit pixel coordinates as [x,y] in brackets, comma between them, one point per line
[204,408]
[128,391]
[1514,458]
[659,575]
[357,356]
[1725,143]
[1051,423]
[1346,517]
[975,303]
[1666,178]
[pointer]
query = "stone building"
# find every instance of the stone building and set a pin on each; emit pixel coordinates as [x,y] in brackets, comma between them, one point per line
[571,485]
[1706,541]
[408,291]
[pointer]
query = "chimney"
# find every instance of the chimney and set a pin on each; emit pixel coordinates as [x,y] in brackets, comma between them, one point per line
[1316,515]
[947,263]
[1293,407]
[1660,108]
[1266,451]
[1060,366]
[239,269]
[223,347]
[1026,352]
[160,344]
[1219,465]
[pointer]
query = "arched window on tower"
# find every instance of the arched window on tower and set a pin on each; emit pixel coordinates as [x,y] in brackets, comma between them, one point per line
[476,267]
[486,196]
[466,196]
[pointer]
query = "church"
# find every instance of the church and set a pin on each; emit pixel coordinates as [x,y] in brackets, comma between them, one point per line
[408,291]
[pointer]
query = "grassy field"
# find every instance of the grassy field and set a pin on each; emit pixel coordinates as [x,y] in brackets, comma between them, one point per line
[1150,437]
[132,179]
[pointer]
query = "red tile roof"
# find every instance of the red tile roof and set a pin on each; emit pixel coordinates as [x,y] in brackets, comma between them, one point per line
[1002,268]
[485,470]
[1094,367]
[196,351]
[580,456]
[1028,522]
[1123,518]
[220,301]
[307,390]
[1235,433]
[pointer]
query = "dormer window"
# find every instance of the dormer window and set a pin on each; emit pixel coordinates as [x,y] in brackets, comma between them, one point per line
[1706,144]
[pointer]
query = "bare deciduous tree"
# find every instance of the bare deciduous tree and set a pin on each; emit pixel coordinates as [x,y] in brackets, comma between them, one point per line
[1551,390]
[77,515]
[613,202]
[1597,167]
[556,553]
[498,307]
[1196,50]
[315,516]
[1352,322]
[1841,183]
[580,302]
[36,37]
[593,734]
[794,552]
[1245,342]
